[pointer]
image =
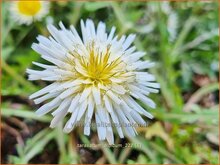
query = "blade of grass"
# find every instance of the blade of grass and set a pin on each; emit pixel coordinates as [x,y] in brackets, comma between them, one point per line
[206,115]
[108,153]
[32,141]
[182,36]
[199,94]
[72,150]
[39,146]
[6,112]
[144,148]
[76,12]
[124,154]
[201,38]
[61,143]
[16,76]
[165,153]
[125,25]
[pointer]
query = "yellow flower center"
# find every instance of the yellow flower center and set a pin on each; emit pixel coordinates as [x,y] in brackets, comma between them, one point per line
[97,68]
[29,8]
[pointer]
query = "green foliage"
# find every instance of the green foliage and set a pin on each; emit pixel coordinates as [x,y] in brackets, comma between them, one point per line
[182,38]
[33,146]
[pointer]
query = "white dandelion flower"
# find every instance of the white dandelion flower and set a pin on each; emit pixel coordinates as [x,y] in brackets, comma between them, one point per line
[26,12]
[100,76]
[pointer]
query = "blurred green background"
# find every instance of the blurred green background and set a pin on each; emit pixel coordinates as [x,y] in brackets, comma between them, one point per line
[181,37]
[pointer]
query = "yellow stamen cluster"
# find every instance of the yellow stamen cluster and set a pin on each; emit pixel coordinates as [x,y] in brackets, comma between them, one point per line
[98,68]
[29,8]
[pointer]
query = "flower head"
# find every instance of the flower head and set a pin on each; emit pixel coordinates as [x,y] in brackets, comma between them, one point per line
[25,12]
[100,75]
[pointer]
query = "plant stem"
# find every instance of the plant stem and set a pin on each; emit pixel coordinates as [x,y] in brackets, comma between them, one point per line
[17,77]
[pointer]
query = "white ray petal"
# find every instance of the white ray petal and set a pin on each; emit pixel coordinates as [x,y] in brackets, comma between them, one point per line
[151,90]
[53,31]
[68,92]
[116,80]
[101,112]
[113,97]
[101,34]
[43,40]
[138,118]
[33,77]
[129,117]
[44,90]
[46,108]
[111,34]
[153,85]
[76,35]
[84,33]
[82,109]
[85,94]
[44,65]
[118,89]
[54,61]
[39,50]
[120,42]
[109,131]
[128,41]
[87,123]
[54,101]
[43,73]
[58,118]
[52,78]
[124,121]
[96,95]
[134,56]
[143,77]
[100,128]
[73,83]
[46,97]
[65,103]
[74,103]
[134,89]
[147,101]
[108,104]
[136,106]
[91,106]
[130,50]
[117,124]
[91,28]
[71,122]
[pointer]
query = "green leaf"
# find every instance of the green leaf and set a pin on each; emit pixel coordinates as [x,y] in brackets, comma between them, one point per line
[6,52]
[7,112]
[34,140]
[207,116]
[39,146]
[93,6]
